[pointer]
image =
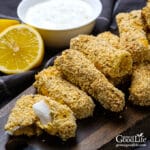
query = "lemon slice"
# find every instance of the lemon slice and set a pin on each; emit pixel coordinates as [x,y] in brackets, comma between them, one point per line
[21,48]
[5,23]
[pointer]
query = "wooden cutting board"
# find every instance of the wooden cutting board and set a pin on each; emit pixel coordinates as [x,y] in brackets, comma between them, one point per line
[97,132]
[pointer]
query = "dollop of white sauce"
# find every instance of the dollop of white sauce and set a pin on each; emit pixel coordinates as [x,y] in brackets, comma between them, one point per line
[59,14]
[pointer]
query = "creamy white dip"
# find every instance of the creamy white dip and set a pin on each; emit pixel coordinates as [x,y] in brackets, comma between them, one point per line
[59,14]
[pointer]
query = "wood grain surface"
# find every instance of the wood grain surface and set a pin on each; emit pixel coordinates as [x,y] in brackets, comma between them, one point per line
[97,132]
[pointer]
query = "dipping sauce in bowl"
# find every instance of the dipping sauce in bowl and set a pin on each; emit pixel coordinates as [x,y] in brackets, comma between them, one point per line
[59,14]
[60,20]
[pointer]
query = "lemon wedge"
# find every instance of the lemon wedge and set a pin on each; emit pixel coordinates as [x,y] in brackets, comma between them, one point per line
[5,23]
[21,49]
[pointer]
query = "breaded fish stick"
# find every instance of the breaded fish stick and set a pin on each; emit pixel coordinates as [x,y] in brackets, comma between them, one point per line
[33,112]
[77,69]
[112,39]
[49,82]
[107,59]
[132,35]
[140,85]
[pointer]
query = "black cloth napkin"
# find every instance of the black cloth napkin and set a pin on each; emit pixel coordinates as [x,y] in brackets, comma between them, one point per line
[11,85]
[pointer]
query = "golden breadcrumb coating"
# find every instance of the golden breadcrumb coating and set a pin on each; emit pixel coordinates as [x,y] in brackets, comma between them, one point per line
[49,82]
[140,85]
[77,69]
[132,35]
[146,15]
[63,122]
[106,58]
[146,19]
[112,39]
[23,120]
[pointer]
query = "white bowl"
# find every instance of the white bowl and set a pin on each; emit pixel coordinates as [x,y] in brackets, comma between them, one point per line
[59,38]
